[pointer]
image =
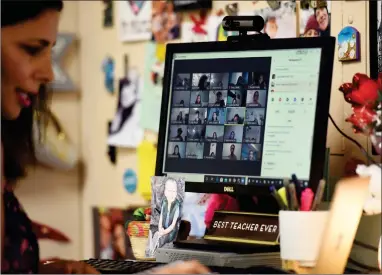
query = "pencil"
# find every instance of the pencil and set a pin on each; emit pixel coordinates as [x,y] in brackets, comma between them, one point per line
[319,194]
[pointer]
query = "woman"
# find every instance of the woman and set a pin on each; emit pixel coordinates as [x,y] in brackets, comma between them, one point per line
[198,100]
[176,151]
[214,117]
[214,136]
[255,99]
[28,33]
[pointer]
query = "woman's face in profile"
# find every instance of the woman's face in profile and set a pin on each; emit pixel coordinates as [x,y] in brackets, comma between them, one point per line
[128,95]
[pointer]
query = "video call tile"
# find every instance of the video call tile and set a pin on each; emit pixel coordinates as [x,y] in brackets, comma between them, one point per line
[196,132]
[235,115]
[236,98]
[233,133]
[217,98]
[178,133]
[201,81]
[255,116]
[176,150]
[179,115]
[251,152]
[194,150]
[231,151]
[258,81]
[199,99]
[252,134]
[182,82]
[210,150]
[198,116]
[215,133]
[219,81]
[216,115]
[256,98]
[238,80]
[181,99]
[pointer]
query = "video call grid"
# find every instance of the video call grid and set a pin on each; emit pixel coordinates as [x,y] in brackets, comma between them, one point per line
[208,109]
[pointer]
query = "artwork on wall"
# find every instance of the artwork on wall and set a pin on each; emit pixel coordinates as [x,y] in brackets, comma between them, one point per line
[152,91]
[375,28]
[125,129]
[108,70]
[348,44]
[108,13]
[280,19]
[134,20]
[182,5]
[196,30]
[62,81]
[165,24]
[314,18]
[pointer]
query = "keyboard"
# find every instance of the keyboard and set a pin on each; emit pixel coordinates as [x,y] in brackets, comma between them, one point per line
[131,267]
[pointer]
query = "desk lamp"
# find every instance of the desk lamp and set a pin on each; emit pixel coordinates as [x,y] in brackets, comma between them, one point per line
[373,203]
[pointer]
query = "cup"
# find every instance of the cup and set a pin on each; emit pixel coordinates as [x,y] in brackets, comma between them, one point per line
[301,235]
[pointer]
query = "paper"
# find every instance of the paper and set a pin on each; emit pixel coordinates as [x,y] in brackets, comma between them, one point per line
[166,212]
[147,156]
[152,89]
[165,22]
[315,18]
[125,130]
[134,20]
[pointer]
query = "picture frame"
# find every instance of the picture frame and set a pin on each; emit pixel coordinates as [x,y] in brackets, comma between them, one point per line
[375,34]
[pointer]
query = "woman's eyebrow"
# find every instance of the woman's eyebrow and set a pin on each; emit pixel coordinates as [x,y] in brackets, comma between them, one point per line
[43,42]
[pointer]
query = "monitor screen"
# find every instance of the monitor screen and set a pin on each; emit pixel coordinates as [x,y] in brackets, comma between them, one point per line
[242,117]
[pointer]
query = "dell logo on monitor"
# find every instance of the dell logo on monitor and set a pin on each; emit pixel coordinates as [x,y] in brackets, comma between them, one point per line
[228,189]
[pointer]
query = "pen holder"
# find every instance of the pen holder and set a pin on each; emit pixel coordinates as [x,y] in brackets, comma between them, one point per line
[301,235]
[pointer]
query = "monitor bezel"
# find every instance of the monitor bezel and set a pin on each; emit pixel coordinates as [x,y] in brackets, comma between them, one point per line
[327,46]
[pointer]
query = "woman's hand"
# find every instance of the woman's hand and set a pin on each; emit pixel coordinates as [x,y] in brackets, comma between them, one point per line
[66,267]
[190,267]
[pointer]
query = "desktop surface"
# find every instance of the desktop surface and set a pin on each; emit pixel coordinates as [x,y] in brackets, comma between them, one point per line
[245,115]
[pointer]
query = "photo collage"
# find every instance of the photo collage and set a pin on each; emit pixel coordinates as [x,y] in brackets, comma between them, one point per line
[217,116]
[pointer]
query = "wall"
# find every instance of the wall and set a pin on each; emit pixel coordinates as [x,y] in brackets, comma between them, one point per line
[85,116]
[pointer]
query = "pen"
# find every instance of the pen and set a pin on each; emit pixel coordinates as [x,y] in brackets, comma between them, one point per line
[277,198]
[319,195]
[294,202]
[306,199]
[286,183]
[297,186]
[282,193]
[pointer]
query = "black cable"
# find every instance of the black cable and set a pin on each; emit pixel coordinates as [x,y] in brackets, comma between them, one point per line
[365,245]
[363,266]
[354,141]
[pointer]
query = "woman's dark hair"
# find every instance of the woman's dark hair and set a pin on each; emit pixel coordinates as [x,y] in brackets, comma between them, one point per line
[17,135]
[203,79]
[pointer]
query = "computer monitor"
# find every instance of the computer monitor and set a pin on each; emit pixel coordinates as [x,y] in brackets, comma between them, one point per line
[240,116]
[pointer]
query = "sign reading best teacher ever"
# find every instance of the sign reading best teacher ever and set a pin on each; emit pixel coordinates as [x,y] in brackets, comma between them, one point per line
[244,227]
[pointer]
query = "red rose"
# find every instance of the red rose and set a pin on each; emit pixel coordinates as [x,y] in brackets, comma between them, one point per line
[365,95]
[361,119]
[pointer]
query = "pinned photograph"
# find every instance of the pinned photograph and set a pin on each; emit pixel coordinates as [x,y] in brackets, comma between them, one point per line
[166,204]
[314,18]
[165,22]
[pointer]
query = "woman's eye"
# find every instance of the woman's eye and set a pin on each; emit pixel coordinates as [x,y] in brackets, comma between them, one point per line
[32,50]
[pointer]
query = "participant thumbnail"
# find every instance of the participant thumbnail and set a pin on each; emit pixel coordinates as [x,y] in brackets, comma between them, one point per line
[178,133]
[217,98]
[201,81]
[231,151]
[196,132]
[179,116]
[176,150]
[215,133]
[182,82]
[256,98]
[199,99]
[194,150]
[236,98]
[235,115]
[210,150]
[198,116]
[251,152]
[216,115]
[255,116]
[233,133]
[237,80]
[258,80]
[252,134]
[219,81]
[181,99]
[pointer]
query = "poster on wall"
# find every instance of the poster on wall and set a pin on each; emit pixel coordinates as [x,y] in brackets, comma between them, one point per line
[375,28]
[315,17]
[165,24]
[280,19]
[152,89]
[134,20]
[125,130]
